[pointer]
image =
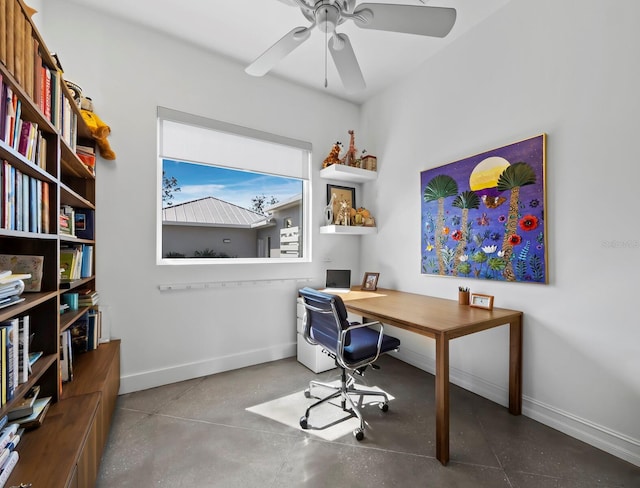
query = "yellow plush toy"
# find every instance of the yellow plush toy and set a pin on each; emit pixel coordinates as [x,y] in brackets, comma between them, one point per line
[99,130]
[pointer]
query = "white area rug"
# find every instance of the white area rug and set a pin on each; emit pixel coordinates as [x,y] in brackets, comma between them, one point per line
[326,420]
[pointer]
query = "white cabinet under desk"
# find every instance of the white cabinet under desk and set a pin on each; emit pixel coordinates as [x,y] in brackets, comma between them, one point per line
[309,355]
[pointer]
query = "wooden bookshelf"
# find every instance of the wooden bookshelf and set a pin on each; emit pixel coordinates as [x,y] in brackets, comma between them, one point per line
[65,450]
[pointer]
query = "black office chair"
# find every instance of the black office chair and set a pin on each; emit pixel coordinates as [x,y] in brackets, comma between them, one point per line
[353,346]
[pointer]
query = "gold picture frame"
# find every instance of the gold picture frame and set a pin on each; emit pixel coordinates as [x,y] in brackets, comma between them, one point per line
[370,281]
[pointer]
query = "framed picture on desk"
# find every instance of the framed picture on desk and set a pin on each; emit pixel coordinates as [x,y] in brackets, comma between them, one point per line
[370,281]
[481,301]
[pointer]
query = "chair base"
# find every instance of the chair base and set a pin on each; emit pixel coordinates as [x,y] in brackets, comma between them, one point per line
[344,391]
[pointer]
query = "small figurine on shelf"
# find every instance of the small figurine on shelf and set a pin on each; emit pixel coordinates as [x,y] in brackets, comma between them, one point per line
[328,210]
[350,157]
[362,216]
[334,155]
[344,214]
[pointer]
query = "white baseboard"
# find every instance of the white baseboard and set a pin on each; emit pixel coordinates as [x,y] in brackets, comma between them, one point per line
[615,443]
[196,369]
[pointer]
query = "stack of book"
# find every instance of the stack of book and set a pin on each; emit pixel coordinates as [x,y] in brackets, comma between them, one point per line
[67,221]
[85,332]
[11,287]
[10,435]
[87,297]
[87,155]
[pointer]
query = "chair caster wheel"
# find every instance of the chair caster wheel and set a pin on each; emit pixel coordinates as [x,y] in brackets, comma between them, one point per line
[303,422]
[358,434]
[307,393]
[383,406]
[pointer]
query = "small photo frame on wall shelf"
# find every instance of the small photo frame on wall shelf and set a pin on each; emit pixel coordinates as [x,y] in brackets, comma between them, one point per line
[481,301]
[370,281]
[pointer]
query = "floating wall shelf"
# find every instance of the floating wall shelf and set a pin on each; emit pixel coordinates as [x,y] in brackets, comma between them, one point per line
[342,172]
[347,229]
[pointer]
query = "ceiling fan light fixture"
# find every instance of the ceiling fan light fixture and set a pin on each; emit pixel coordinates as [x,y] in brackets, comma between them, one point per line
[327,18]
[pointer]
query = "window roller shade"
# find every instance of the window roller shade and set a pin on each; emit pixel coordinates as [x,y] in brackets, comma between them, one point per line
[201,140]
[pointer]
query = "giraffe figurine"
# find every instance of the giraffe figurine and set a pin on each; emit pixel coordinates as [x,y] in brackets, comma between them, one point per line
[334,156]
[351,156]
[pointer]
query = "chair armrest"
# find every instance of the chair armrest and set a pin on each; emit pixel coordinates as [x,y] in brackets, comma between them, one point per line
[357,325]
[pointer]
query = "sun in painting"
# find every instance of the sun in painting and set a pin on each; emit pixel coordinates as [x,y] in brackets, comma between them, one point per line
[484,179]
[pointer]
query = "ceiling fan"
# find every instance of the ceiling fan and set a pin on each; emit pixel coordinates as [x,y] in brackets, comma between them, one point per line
[327,15]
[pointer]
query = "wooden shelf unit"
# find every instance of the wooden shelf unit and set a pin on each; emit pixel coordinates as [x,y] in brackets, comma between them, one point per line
[65,451]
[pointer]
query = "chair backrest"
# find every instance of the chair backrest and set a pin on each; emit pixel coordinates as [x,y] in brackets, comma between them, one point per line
[326,316]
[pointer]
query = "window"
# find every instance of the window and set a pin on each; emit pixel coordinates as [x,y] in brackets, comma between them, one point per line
[230,193]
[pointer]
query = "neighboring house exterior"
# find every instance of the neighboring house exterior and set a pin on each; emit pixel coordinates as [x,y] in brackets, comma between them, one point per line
[285,215]
[210,227]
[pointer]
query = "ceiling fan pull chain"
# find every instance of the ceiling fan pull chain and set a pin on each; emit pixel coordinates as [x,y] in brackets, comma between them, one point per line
[326,47]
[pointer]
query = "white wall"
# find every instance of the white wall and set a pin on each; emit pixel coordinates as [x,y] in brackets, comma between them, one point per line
[571,70]
[128,71]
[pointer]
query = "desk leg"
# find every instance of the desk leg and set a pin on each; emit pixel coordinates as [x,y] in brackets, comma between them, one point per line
[442,399]
[515,366]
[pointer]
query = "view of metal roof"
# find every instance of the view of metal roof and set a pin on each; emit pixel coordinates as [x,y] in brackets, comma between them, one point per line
[210,211]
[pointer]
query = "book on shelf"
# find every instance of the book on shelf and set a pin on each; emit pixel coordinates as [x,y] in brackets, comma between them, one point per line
[40,408]
[66,357]
[24,407]
[8,467]
[34,356]
[7,276]
[13,443]
[7,433]
[10,357]
[3,366]
[84,218]
[7,302]
[68,260]
[24,339]
[11,288]
[4,455]
[69,216]
[86,267]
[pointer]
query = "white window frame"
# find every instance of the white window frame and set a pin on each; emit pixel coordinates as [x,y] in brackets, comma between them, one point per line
[196,150]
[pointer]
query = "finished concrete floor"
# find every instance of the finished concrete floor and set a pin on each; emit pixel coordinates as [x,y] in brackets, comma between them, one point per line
[198,433]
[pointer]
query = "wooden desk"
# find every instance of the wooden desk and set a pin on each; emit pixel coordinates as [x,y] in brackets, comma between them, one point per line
[442,320]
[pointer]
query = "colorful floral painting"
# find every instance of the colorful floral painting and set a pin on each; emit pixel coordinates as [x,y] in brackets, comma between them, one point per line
[483,216]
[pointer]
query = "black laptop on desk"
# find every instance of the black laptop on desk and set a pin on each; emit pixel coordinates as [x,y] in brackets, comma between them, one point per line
[338,281]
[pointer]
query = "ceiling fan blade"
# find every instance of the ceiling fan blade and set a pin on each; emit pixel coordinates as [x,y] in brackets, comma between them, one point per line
[410,19]
[346,63]
[267,60]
